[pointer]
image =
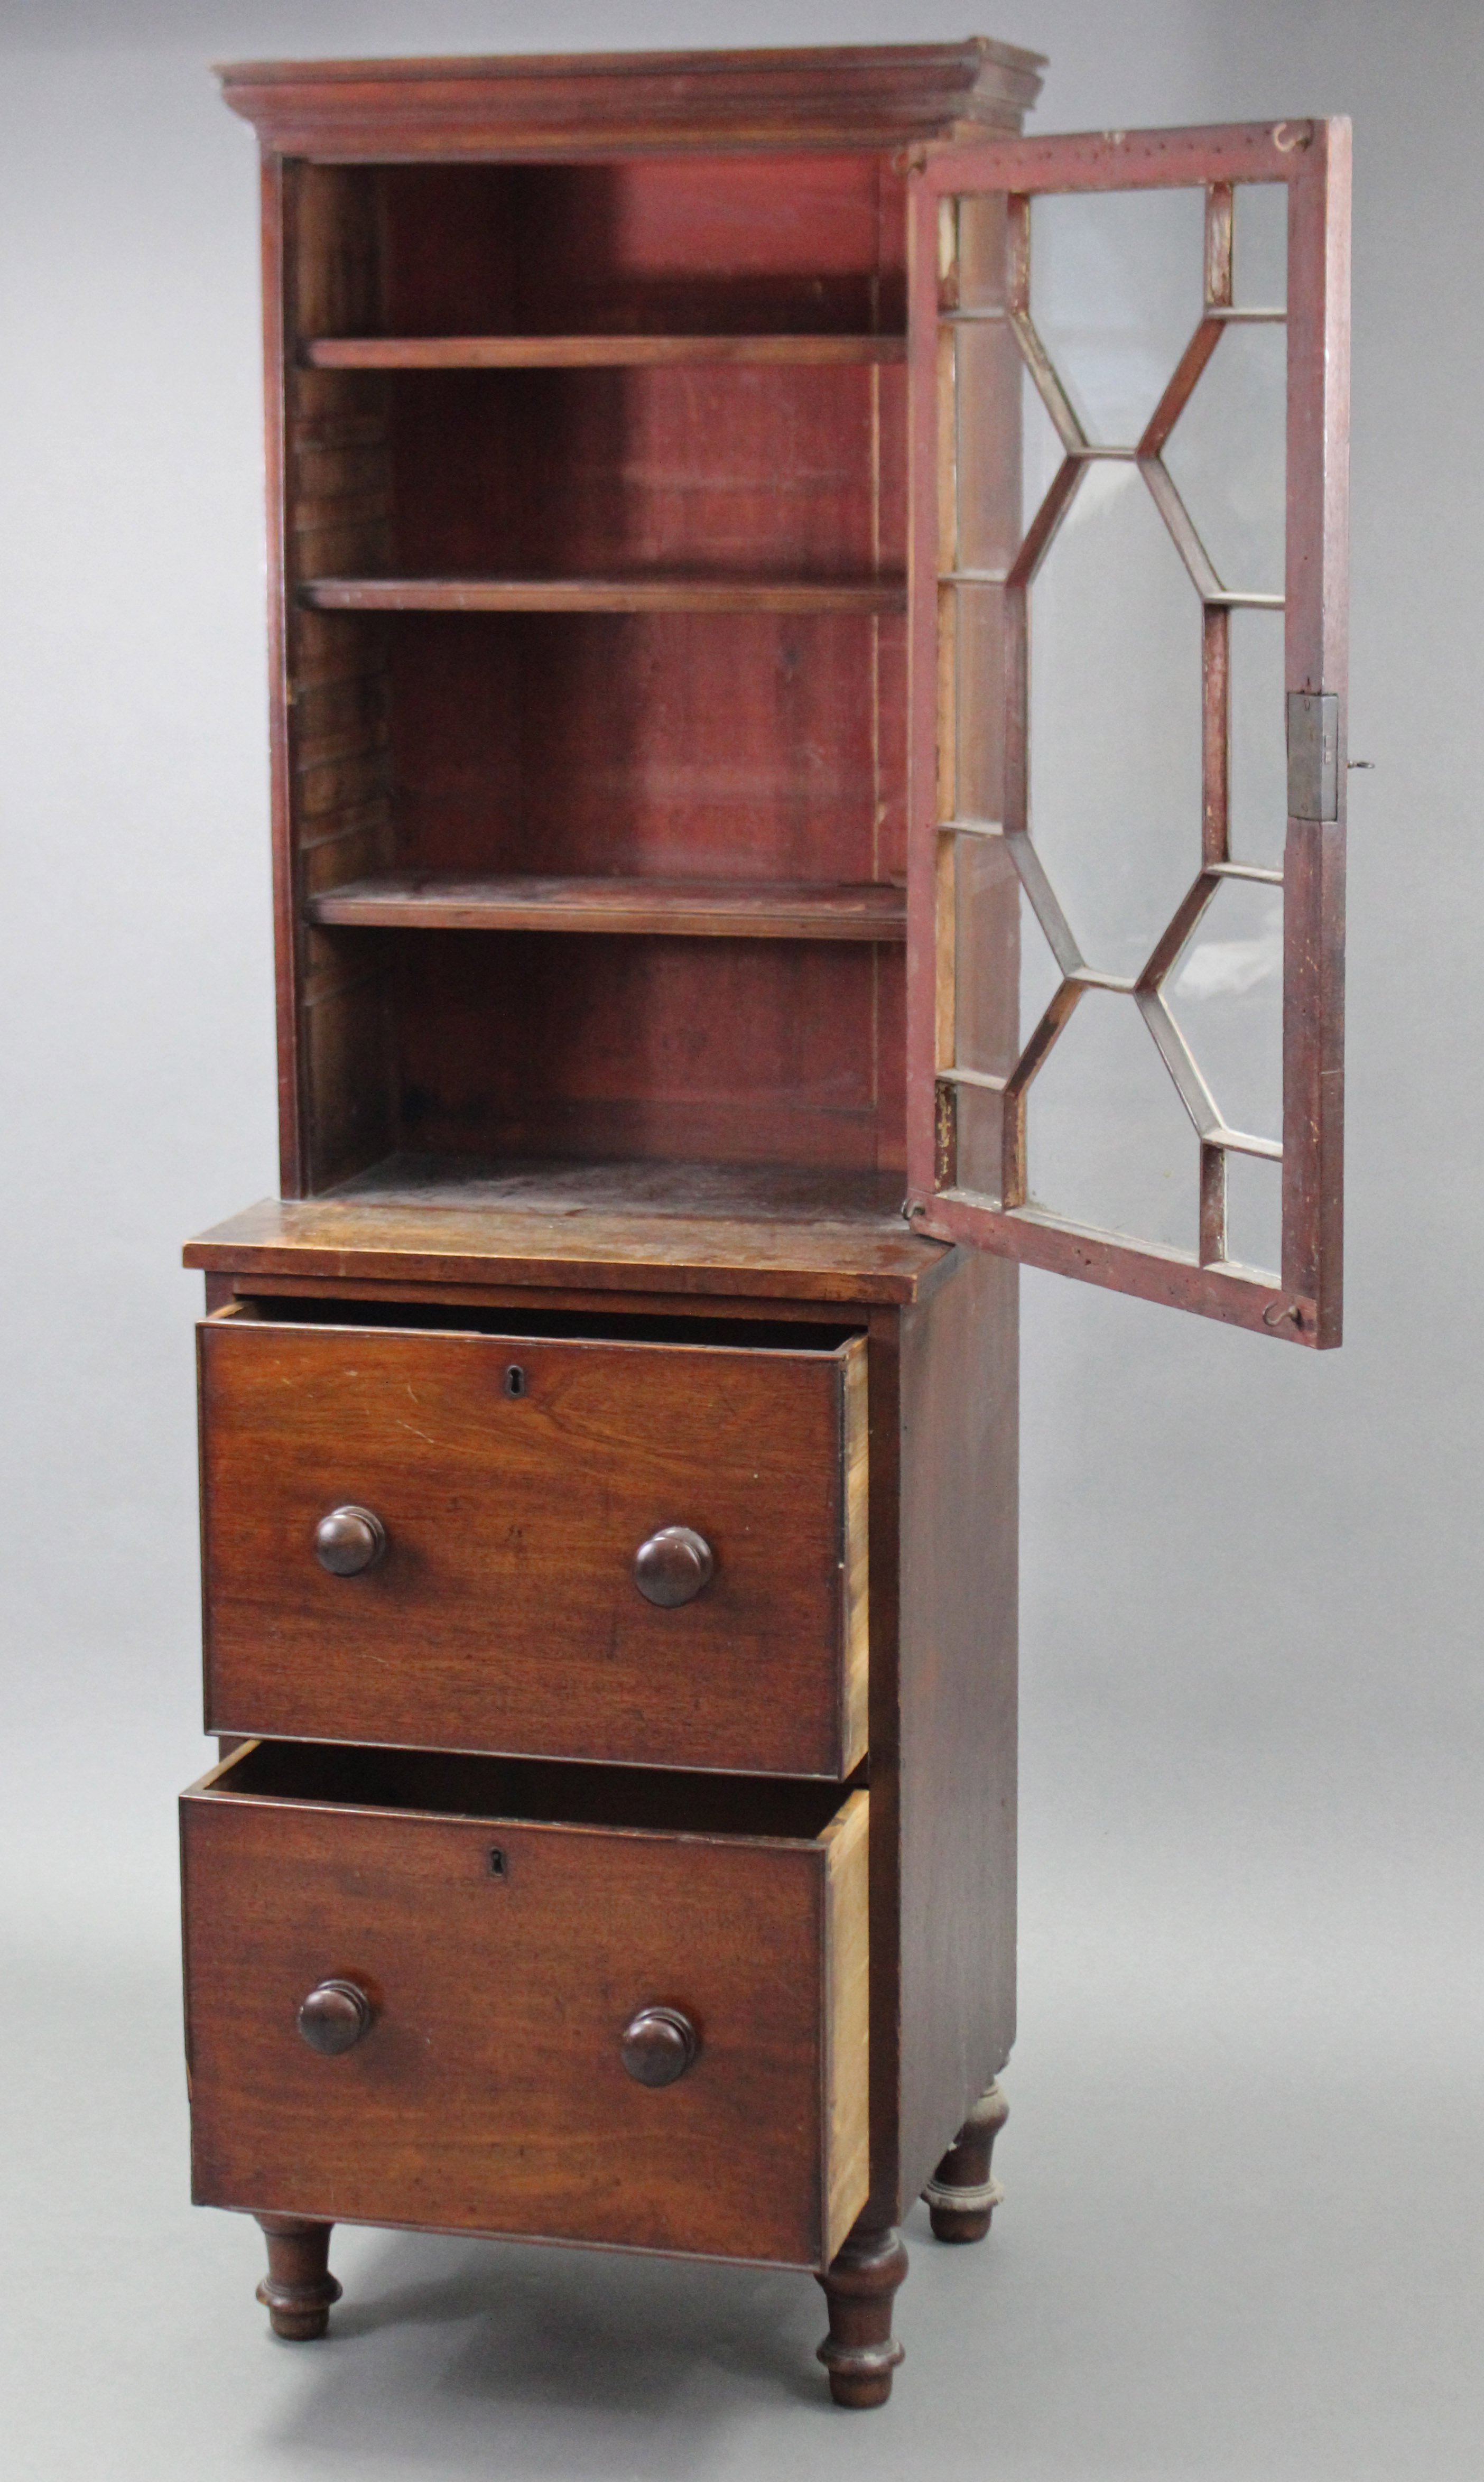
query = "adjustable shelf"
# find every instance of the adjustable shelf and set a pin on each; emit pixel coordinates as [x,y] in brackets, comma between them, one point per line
[569,352]
[647,593]
[696,909]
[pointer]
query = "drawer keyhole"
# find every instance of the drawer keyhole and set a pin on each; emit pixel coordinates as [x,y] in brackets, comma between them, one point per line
[515,1380]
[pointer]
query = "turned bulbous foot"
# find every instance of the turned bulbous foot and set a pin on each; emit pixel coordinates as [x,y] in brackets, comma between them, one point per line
[962,2196]
[298,2289]
[861,2351]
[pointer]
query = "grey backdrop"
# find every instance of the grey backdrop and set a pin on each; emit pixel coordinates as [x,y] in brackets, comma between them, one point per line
[1244,2161]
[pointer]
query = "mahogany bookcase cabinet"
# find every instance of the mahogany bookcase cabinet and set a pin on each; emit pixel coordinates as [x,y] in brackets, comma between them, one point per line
[609,1436]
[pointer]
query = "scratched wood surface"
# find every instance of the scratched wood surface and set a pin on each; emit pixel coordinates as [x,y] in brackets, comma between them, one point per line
[674,1229]
[716,909]
[504,1614]
[488,2094]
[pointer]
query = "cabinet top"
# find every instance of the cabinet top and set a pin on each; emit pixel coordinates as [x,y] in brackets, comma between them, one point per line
[530,105]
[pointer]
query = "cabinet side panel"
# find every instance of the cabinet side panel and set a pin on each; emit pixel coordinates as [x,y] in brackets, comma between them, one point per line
[333,791]
[958,1701]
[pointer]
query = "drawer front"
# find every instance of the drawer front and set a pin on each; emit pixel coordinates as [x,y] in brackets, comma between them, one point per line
[489,2093]
[503,1612]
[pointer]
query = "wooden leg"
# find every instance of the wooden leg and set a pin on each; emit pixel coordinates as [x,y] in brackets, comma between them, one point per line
[298,2289]
[861,2351]
[960,2195]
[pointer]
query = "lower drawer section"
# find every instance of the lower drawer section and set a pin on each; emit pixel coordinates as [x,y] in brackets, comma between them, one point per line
[501,1960]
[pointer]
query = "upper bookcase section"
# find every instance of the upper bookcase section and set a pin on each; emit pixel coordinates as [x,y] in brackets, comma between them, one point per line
[615,103]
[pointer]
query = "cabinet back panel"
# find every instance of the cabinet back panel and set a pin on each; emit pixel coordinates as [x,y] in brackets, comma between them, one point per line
[729,1050]
[770,244]
[746,744]
[767,471]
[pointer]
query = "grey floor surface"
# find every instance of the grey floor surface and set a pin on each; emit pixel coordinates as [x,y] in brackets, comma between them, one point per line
[1241,2236]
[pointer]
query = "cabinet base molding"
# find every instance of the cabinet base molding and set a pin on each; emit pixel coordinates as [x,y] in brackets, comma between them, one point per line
[297,2290]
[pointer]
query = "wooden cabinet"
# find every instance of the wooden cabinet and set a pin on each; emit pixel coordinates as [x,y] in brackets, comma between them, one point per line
[609,1436]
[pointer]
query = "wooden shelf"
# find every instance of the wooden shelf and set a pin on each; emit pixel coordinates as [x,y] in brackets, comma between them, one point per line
[649,594]
[693,909]
[771,1231]
[571,353]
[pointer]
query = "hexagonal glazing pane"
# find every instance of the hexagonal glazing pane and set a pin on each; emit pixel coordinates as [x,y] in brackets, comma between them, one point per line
[1092,673]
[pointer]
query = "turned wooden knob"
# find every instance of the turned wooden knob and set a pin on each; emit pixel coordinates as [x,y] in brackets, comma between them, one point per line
[658,2045]
[334,2017]
[673,1566]
[348,1540]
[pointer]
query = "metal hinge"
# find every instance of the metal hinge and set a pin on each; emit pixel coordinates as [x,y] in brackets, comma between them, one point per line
[1313,754]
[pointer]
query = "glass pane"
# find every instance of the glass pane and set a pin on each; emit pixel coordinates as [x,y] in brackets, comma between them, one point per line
[1259,253]
[1040,974]
[1227,455]
[1259,741]
[986,932]
[1115,720]
[979,674]
[1115,296]
[1108,1140]
[1255,1213]
[989,389]
[980,1115]
[1225,996]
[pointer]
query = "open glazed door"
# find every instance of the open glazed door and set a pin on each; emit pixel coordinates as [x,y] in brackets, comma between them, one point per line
[1129,400]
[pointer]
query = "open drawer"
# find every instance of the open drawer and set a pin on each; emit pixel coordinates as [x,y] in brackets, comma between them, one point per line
[566,2002]
[622,1547]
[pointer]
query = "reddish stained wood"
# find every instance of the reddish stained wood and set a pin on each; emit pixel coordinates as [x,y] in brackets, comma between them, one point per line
[567,352]
[599,103]
[957,1693]
[1124,159]
[922,761]
[489,2095]
[756,744]
[503,1615]
[713,1235]
[697,908]
[1145,1269]
[278,251]
[663,594]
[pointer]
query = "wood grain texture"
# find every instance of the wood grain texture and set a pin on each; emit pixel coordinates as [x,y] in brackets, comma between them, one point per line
[756,735]
[672,593]
[489,2095]
[847,2016]
[958,1704]
[846,95]
[330,501]
[691,1229]
[571,353]
[503,1614]
[679,907]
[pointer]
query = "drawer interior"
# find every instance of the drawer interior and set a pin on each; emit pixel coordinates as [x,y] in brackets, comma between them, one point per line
[757,1336]
[435,1783]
